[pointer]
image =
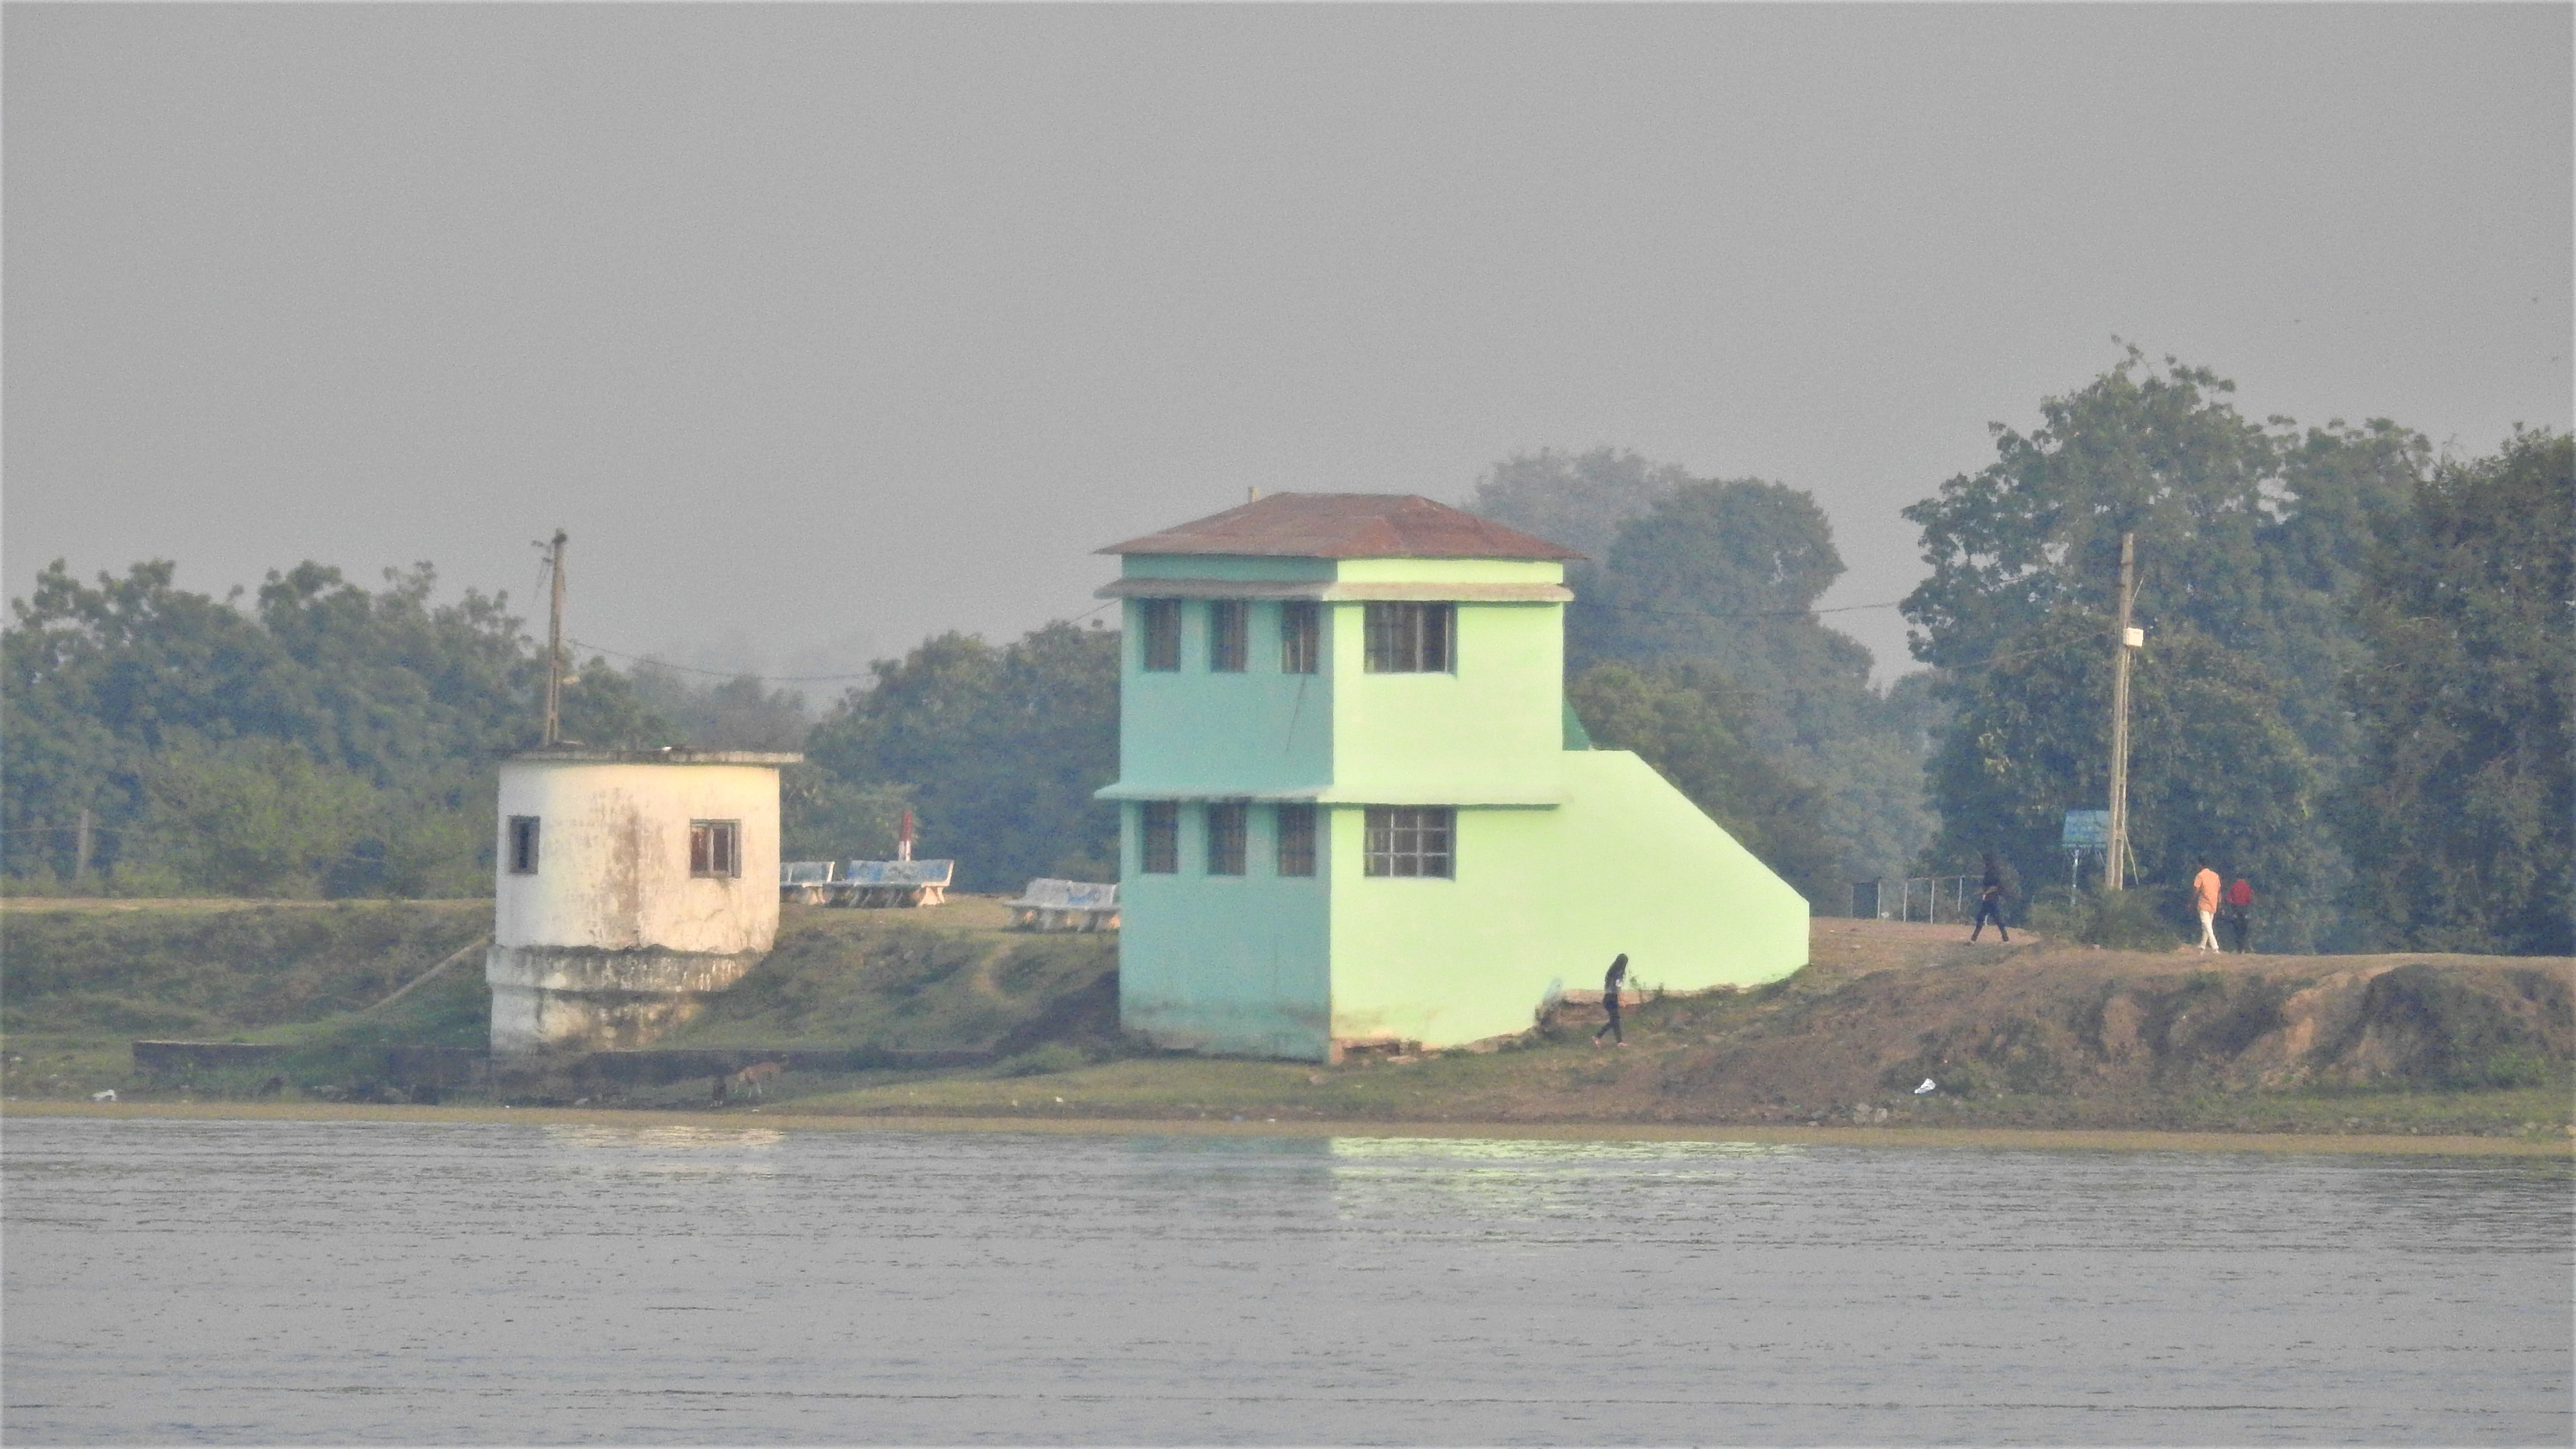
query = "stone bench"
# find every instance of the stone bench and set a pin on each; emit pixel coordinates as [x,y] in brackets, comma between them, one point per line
[1065,905]
[879,883]
[807,882]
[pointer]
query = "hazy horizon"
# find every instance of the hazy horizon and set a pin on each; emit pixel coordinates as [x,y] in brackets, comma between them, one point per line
[822,329]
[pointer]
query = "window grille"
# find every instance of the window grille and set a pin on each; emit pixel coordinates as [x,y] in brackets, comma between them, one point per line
[1403,841]
[1227,631]
[1225,831]
[1296,840]
[1158,825]
[1158,627]
[1301,638]
[715,847]
[1411,638]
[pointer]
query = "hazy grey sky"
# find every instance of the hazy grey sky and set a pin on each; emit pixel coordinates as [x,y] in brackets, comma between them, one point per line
[821,328]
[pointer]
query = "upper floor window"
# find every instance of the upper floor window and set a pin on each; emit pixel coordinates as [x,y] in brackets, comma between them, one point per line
[1159,836]
[1412,638]
[1225,838]
[523,845]
[1158,630]
[1410,842]
[1296,840]
[715,847]
[1227,635]
[1301,637]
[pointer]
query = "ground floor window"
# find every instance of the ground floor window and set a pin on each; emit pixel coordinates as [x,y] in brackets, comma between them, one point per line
[715,847]
[1225,838]
[1158,831]
[1296,840]
[1410,841]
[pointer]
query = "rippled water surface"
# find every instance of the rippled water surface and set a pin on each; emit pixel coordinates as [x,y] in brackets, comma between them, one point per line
[348,1281]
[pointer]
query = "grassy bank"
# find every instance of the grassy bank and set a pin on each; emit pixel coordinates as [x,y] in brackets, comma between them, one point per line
[2034,1036]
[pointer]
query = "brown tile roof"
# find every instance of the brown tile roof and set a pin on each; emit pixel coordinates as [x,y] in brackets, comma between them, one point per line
[1347,525]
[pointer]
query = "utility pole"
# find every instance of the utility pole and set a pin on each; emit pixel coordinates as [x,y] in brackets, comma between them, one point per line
[2116,862]
[554,642]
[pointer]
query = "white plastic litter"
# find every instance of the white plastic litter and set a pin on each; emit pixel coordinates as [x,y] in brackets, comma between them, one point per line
[107,1096]
[1928,1085]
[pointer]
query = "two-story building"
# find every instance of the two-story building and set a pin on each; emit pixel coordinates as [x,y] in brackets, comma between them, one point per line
[1356,809]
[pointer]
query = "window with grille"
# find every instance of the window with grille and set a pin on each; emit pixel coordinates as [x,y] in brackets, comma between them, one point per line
[1403,841]
[1412,638]
[1158,833]
[715,847]
[1227,635]
[523,845]
[1301,637]
[1158,629]
[1296,840]
[1225,824]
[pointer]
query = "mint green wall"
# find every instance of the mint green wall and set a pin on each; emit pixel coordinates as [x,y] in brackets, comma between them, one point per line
[1194,732]
[1549,896]
[1229,964]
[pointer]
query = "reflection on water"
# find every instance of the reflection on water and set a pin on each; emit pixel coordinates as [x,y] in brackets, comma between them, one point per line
[406,1282]
[1528,1180]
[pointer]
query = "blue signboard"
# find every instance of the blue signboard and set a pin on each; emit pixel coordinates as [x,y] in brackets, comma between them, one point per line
[2086,830]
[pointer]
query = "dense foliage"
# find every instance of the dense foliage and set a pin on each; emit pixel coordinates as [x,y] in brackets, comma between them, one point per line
[1001,748]
[2462,814]
[326,739]
[1723,575]
[2250,539]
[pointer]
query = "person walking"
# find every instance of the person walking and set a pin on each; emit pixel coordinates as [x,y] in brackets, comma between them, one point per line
[1611,985]
[2204,894]
[2240,913]
[1990,902]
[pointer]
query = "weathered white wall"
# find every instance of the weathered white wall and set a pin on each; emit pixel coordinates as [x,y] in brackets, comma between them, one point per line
[612,943]
[613,857]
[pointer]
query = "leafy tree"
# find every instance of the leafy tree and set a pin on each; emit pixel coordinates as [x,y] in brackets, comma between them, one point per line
[2250,539]
[741,713]
[2215,773]
[2460,815]
[255,817]
[1688,720]
[1002,748]
[1728,573]
[824,817]
[142,701]
[1576,499]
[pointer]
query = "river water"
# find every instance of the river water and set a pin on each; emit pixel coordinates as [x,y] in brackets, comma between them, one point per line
[210,1281]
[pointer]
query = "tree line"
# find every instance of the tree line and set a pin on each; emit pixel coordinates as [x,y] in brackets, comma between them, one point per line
[2354,690]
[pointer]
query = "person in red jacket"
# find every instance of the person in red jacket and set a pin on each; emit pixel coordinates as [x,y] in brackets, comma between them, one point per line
[2240,913]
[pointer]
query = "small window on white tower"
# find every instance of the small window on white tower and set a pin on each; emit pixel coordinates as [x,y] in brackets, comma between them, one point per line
[715,847]
[523,845]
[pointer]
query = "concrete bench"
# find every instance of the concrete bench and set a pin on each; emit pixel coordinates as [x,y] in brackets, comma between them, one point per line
[878,883]
[806,882]
[1066,905]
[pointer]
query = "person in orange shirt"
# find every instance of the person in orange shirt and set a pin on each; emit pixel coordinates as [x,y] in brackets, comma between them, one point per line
[2204,894]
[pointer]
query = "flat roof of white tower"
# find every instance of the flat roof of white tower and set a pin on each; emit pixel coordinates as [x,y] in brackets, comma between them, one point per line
[667,755]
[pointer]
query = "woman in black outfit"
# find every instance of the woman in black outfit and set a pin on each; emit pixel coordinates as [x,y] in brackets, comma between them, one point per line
[1610,987]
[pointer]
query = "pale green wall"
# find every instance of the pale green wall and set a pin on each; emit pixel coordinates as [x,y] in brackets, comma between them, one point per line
[1227,964]
[1448,571]
[1488,733]
[1547,897]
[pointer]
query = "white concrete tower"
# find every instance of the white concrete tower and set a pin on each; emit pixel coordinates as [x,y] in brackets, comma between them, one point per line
[631,884]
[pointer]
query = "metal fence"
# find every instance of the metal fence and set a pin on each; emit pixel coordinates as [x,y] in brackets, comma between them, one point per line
[1932,898]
